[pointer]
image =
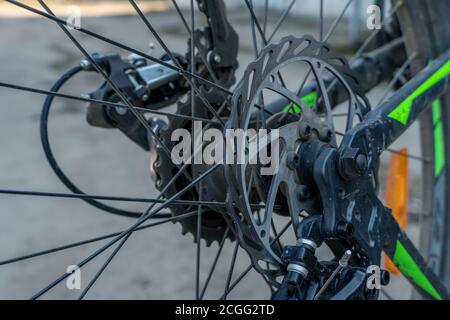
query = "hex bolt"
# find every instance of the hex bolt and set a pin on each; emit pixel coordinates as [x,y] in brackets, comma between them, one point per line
[361,163]
[326,134]
[353,163]
[304,130]
[344,228]
[217,58]
[303,193]
[292,160]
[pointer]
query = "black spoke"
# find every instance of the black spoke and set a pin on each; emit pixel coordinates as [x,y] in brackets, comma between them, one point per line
[247,270]
[266,14]
[275,233]
[321,20]
[116,89]
[374,33]
[281,20]
[108,103]
[329,33]
[254,40]
[230,272]
[188,29]
[183,19]
[397,76]
[337,21]
[121,199]
[122,46]
[213,266]
[261,33]
[103,267]
[131,229]
[92,240]
[170,54]
[410,156]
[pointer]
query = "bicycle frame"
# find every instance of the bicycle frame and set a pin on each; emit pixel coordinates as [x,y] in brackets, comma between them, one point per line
[382,127]
[348,194]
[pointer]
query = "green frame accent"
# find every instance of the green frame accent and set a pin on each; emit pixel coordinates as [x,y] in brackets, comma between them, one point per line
[402,111]
[310,100]
[439,147]
[410,269]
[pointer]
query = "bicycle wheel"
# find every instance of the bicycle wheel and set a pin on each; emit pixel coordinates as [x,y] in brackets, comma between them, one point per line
[197,195]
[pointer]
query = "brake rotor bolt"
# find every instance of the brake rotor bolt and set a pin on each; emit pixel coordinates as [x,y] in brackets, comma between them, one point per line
[292,160]
[326,134]
[303,193]
[304,131]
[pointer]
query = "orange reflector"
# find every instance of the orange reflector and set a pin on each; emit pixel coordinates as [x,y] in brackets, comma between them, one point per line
[397,194]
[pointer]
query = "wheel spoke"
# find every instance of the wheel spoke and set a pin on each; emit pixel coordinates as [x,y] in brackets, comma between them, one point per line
[396,77]
[261,33]
[321,21]
[116,89]
[103,267]
[183,19]
[247,270]
[108,103]
[281,20]
[166,49]
[337,21]
[213,266]
[121,199]
[254,40]
[120,45]
[181,15]
[266,14]
[92,240]
[329,33]
[230,272]
[131,229]
[374,33]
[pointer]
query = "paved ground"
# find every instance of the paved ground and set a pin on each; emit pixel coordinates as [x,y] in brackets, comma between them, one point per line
[157,263]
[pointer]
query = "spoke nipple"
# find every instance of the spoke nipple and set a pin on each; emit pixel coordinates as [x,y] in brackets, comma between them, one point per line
[343,262]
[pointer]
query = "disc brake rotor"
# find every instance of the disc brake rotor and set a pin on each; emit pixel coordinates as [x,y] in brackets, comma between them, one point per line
[286,192]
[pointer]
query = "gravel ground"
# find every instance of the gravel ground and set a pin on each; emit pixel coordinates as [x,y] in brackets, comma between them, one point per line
[157,263]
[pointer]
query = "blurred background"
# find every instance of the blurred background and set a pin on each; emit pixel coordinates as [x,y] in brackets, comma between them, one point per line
[158,263]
